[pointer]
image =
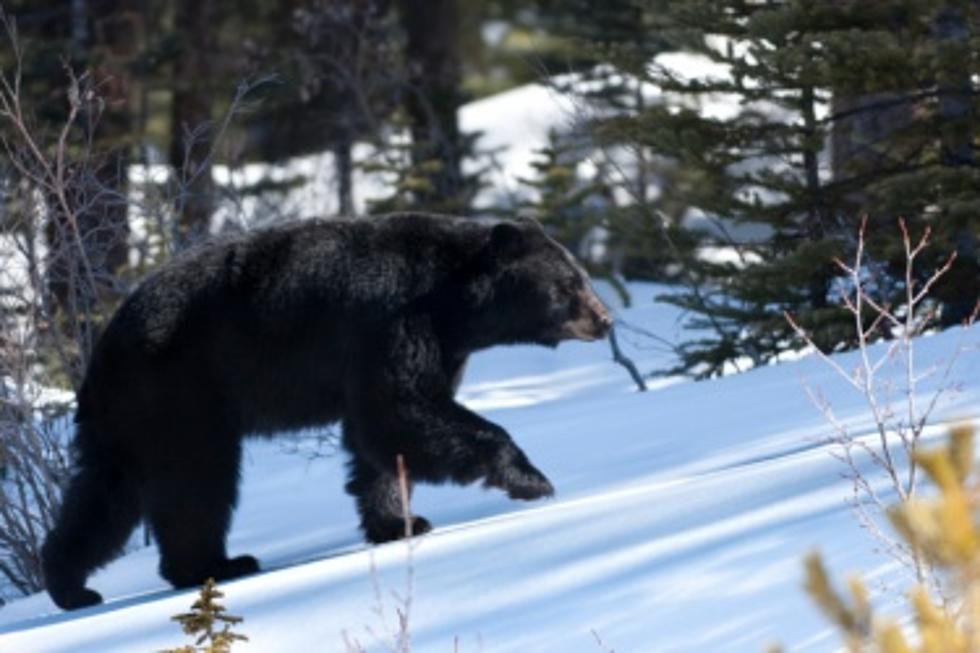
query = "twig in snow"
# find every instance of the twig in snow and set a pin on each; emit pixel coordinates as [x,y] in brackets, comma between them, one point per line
[625,361]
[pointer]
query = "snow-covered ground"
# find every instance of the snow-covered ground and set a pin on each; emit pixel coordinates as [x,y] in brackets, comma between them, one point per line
[680,522]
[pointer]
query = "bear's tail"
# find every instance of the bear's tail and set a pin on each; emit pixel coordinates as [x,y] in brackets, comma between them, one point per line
[100,508]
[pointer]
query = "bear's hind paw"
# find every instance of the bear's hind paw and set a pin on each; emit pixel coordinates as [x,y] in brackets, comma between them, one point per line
[388,530]
[75,599]
[235,567]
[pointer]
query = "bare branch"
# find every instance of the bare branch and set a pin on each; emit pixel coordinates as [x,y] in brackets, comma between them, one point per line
[626,362]
[897,432]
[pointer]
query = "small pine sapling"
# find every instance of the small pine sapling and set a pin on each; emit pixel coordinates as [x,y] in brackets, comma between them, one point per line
[945,530]
[209,623]
[566,202]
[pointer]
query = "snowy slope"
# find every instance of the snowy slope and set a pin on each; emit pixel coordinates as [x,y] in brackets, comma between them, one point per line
[679,524]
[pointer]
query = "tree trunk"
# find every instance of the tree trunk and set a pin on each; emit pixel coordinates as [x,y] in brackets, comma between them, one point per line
[115,44]
[818,218]
[863,123]
[190,119]
[344,166]
[962,288]
[432,51]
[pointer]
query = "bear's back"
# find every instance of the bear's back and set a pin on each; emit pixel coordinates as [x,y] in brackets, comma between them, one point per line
[262,323]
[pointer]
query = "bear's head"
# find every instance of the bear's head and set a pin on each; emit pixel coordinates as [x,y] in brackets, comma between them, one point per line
[531,289]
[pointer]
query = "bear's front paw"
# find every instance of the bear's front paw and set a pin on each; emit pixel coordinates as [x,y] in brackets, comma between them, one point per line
[76,598]
[516,476]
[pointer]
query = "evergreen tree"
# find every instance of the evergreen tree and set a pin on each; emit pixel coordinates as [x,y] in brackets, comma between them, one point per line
[413,170]
[609,55]
[432,99]
[569,206]
[340,71]
[574,208]
[196,24]
[202,623]
[432,177]
[763,209]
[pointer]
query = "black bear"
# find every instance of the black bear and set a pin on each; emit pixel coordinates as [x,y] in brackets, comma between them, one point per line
[368,322]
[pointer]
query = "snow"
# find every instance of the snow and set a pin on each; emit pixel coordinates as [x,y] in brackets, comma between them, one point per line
[515,122]
[680,522]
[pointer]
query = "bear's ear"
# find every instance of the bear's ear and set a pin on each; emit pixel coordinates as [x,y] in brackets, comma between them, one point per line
[507,240]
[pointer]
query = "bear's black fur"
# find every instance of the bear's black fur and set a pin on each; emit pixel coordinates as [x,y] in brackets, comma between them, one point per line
[368,322]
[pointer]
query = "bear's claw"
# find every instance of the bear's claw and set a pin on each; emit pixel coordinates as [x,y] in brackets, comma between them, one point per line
[520,479]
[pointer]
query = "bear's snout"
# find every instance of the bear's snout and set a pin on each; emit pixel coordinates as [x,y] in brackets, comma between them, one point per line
[593,321]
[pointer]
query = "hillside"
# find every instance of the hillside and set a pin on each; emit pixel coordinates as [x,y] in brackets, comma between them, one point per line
[679,524]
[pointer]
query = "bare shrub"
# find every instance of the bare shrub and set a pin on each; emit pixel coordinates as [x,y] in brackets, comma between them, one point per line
[54,291]
[899,414]
[32,464]
[61,275]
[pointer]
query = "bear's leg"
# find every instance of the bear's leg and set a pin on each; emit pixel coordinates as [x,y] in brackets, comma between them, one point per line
[379,503]
[446,442]
[190,511]
[99,510]
[398,401]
